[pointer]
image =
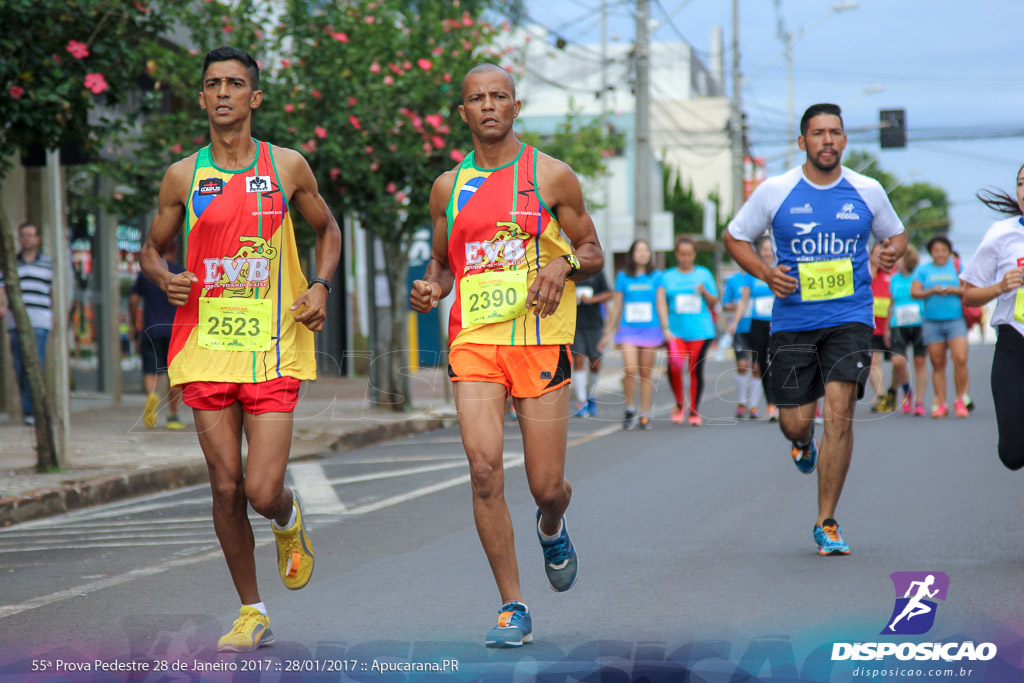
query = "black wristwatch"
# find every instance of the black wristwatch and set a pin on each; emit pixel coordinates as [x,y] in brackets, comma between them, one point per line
[325,283]
[574,263]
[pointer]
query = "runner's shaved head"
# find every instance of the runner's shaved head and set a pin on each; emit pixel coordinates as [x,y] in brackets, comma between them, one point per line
[486,69]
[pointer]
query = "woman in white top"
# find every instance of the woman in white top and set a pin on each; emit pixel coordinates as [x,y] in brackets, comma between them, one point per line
[997,272]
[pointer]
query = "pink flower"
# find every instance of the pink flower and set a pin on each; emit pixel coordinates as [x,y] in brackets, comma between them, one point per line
[95,83]
[466,45]
[434,120]
[368,19]
[424,64]
[388,80]
[78,50]
[355,122]
[197,140]
[444,130]
[309,146]
[375,68]
[286,63]
[291,129]
[289,107]
[142,8]
[16,91]
[352,101]
[391,188]
[374,166]
[335,172]
[176,148]
[456,155]
[447,78]
[321,132]
[228,28]
[396,68]
[427,148]
[438,141]
[437,51]
[407,65]
[417,122]
[467,20]
[368,149]
[340,37]
[455,53]
[316,94]
[401,197]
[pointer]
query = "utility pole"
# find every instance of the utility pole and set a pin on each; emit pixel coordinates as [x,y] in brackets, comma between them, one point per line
[737,113]
[605,233]
[642,125]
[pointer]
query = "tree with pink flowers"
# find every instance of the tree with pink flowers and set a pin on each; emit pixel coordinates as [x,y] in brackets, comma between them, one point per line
[62,60]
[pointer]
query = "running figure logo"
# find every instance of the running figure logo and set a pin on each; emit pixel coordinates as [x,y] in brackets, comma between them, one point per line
[914,613]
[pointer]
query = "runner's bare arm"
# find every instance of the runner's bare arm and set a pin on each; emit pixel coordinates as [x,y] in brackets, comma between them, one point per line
[979,296]
[661,303]
[611,325]
[169,216]
[560,189]
[438,279]
[892,248]
[305,196]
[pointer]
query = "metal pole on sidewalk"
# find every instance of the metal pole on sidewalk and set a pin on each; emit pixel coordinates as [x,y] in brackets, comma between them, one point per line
[58,248]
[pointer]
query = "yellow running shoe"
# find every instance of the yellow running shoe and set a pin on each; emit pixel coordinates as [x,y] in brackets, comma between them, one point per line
[173,422]
[294,551]
[149,413]
[250,631]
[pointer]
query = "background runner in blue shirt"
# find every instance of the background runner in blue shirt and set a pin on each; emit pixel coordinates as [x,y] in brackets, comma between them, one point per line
[907,316]
[633,322]
[736,300]
[938,285]
[688,292]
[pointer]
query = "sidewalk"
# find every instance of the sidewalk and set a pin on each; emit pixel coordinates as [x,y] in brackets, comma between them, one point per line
[112,455]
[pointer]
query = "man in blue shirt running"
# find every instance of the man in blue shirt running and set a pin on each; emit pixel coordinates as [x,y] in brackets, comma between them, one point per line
[821,217]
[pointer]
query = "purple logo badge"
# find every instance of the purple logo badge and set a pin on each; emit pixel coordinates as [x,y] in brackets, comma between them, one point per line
[914,611]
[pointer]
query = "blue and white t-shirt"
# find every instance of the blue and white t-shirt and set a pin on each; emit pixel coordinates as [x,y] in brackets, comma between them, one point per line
[689,317]
[639,296]
[906,311]
[762,300]
[734,292]
[810,223]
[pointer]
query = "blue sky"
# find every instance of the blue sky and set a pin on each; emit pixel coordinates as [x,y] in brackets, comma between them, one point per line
[950,64]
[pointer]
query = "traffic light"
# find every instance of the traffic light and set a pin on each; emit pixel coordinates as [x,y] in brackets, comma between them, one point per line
[892,128]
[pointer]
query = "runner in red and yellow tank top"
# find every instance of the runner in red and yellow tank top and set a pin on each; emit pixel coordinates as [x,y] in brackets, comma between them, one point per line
[243,336]
[497,242]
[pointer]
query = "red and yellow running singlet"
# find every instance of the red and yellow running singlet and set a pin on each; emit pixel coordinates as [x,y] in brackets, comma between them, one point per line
[500,233]
[240,243]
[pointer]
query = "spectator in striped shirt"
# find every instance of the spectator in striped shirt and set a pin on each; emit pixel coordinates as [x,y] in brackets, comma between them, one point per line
[35,273]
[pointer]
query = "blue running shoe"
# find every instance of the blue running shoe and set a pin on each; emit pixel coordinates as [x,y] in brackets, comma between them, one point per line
[592,407]
[560,562]
[581,411]
[806,457]
[515,627]
[830,539]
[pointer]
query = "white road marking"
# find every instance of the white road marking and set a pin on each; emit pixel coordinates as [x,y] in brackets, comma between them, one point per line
[315,491]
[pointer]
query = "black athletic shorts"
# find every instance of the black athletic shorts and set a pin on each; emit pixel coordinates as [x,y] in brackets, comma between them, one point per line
[741,344]
[585,343]
[878,344]
[154,354]
[802,363]
[902,337]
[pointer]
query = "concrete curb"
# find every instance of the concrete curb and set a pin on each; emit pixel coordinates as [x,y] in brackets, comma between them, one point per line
[113,487]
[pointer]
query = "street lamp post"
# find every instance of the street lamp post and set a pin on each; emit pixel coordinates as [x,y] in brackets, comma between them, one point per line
[788,40]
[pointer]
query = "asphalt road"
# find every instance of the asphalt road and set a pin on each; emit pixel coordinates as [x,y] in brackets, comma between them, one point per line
[695,546]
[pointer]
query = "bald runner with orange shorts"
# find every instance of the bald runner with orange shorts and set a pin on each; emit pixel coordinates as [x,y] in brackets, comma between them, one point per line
[498,223]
